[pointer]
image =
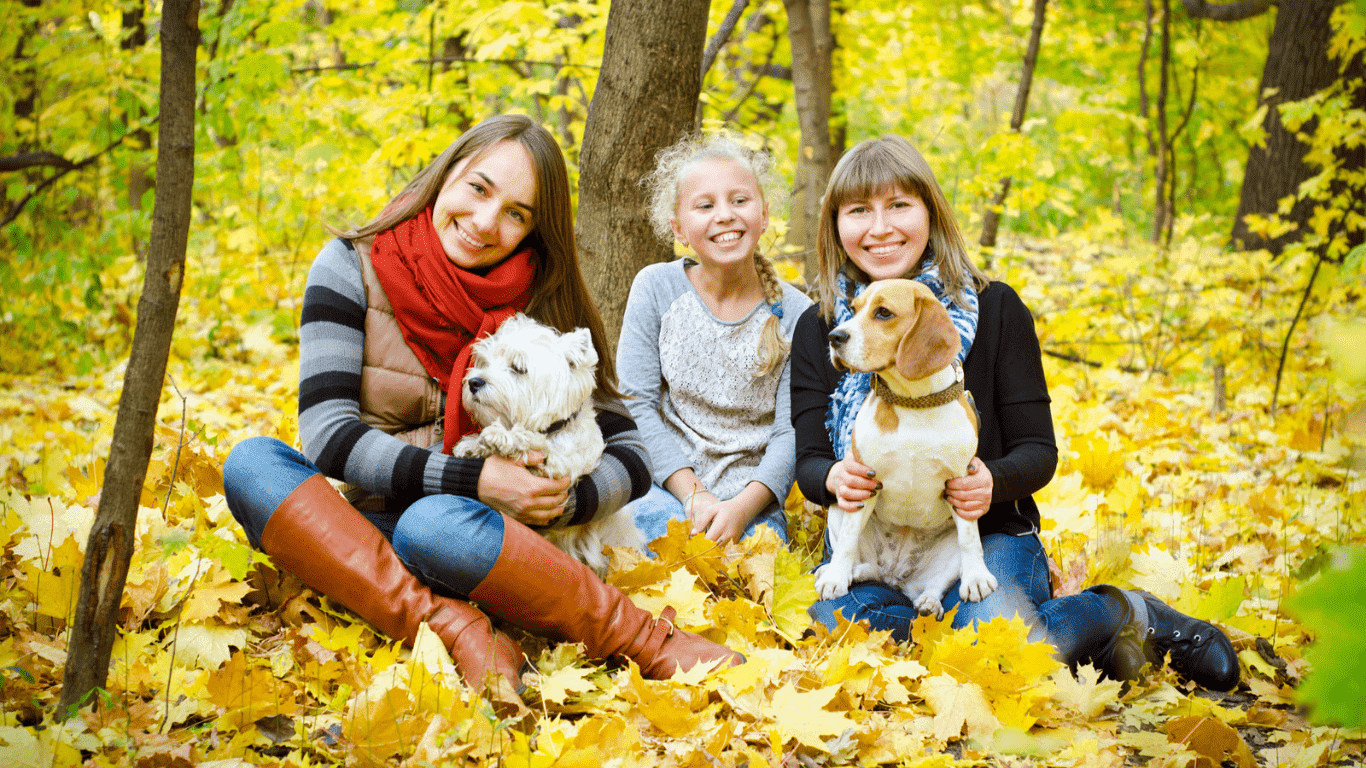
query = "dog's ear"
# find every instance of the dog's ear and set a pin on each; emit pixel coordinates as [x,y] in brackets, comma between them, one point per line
[931,344]
[579,344]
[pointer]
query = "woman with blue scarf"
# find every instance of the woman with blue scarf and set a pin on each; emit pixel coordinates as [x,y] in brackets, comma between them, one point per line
[884,216]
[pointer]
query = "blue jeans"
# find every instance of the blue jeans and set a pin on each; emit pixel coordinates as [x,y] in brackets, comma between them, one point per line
[1081,627]
[449,542]
[653,511]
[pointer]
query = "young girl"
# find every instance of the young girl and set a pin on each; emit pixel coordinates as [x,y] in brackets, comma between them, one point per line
[703,352]
[389,314]
[884,216]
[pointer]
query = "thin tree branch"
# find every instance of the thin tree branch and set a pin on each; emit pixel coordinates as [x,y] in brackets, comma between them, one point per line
[34,159]
[722,35]
[447,60]
[759,73]
[74,165]
[1095,364]
[1285,346]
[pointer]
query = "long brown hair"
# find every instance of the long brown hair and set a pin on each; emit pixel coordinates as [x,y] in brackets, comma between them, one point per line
[559,295]
[869,168]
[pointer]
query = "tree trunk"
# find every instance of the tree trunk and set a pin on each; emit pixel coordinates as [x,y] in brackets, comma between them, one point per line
[645,100]
[1297,66]
[808,31]
[109,549]
[991,221]
[1162,148]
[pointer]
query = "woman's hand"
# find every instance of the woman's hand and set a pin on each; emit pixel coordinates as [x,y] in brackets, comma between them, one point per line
[852,484]
[970,494]
[511,489]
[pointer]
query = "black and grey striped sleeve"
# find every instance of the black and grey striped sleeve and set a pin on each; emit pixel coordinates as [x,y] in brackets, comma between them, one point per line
[331,357]
[622,476]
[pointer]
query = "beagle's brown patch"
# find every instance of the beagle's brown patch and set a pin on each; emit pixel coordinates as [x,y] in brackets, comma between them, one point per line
[885,417]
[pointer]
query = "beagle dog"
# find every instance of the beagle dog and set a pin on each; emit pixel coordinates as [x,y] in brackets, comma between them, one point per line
[917,429]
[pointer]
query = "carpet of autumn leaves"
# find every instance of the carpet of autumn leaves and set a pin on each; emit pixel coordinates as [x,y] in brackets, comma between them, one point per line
[1175,476]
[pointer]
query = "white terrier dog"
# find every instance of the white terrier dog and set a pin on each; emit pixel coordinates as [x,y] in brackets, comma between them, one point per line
[530,389]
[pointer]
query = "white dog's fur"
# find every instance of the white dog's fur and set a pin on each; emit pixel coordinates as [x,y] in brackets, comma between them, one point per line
[905,534]
[530,388]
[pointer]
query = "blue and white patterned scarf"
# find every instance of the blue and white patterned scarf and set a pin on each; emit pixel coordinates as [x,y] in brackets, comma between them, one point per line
[853,387]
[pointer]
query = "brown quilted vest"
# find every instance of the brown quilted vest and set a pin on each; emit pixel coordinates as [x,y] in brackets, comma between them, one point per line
[396,393]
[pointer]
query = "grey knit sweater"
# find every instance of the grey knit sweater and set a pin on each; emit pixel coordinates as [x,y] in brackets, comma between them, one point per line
[689,382]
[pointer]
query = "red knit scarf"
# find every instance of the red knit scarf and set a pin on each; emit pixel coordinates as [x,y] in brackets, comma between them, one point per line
[443,309]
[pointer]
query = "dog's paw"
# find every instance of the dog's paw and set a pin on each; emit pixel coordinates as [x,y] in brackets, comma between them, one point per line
[928,603]
[468,447]
[833,579]
[508,441]
[976,584]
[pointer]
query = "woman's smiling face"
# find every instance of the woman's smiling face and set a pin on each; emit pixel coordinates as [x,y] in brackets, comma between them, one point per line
[884,234]
[487,205]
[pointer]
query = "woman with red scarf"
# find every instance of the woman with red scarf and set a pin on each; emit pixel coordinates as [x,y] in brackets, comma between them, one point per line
[389,314]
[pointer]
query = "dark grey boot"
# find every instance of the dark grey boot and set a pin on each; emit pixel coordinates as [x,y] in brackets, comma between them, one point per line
[1155,632]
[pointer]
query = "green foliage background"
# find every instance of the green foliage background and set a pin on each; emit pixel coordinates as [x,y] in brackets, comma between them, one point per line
[309,117]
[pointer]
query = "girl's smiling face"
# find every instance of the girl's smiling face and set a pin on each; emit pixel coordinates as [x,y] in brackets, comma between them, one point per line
[886,233]
[721,212]
[487,205]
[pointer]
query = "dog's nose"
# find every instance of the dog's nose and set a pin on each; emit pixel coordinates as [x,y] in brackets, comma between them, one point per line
[475,385]
[838,337]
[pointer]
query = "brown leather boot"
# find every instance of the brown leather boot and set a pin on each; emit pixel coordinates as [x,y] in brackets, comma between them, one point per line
[318,536]
[540,588]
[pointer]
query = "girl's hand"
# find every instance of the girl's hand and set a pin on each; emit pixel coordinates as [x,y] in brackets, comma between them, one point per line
[511,489]
[852,484]
[722,522]
[970,494]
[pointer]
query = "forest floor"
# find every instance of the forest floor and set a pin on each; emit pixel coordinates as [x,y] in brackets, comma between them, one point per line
[1184,470]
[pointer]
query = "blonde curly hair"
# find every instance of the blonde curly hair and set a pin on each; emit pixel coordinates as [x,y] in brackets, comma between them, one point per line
[671,164]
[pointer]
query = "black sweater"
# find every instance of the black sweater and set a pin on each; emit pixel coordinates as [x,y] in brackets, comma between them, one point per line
[1004,373]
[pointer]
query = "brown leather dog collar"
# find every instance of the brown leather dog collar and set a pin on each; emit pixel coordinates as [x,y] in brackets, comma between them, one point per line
[933,400]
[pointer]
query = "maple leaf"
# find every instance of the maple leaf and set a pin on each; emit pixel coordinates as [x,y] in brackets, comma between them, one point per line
[56,585]
[556,686]
[1212,739]
[247,692]
[1158,572]
[802,716]
[22,749]
[794,589]
[957,707]
[698,554]
[205,599]
[1085,693]
[682,593]
[757,569]
[208,646]
[1099,460]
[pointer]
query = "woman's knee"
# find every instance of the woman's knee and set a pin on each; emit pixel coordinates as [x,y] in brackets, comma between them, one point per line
[1021,570]
[882,606]
[451,541]
[258,476]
